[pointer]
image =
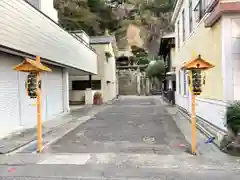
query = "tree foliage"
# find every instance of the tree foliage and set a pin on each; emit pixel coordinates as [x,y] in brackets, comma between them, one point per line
[94,16]
[233,117]
[156,69]
[141,57]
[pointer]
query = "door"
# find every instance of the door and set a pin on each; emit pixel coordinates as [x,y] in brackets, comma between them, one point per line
[28,105]
[9,95]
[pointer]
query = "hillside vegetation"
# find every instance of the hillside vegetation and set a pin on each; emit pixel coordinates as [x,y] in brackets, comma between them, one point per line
[95,16]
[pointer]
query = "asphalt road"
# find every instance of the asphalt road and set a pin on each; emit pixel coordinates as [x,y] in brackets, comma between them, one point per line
[134,138]
[132,125]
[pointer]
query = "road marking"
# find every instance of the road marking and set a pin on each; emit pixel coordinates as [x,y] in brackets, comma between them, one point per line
[79,159]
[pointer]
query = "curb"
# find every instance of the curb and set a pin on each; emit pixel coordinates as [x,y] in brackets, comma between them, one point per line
[188,148]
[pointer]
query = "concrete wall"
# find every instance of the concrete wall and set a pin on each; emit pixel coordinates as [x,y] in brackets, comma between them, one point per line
[106,72]
[77,95]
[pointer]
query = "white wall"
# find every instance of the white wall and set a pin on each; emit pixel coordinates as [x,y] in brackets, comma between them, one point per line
[211,110]
[66,90]
[30,31]
[17,110]
[47,8]
[235,54]
[231,56]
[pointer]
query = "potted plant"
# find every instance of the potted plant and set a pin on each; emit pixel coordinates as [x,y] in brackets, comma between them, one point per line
[232,139]
[233,118]
[97,98]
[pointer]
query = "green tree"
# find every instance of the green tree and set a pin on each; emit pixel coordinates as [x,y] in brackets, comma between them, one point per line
[141,57]
[156,69]
[94,16]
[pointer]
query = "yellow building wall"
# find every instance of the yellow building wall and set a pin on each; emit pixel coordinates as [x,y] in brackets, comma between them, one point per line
[206,42]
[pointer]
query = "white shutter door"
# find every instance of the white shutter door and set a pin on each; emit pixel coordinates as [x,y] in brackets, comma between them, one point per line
[9,95]
[28,105]
[54,92]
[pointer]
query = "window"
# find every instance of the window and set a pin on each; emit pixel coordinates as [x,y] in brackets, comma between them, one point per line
[83,85]
[190,17]
[178,34]
[185,82]
[183,25]
[179,82]
[199,10]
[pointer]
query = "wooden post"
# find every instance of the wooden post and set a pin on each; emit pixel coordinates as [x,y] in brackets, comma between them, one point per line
[39,118]
[193,123]
[35,67]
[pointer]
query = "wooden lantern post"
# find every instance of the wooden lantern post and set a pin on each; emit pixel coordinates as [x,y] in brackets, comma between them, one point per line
[194,68]
[31,66]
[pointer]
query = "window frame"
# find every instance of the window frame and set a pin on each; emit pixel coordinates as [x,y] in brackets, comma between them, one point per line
[190,11]
[183,26]
[200,7]
[185,82]
[178,34]
[179,83]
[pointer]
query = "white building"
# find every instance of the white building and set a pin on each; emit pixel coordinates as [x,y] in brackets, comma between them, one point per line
[26,32]
[105,80]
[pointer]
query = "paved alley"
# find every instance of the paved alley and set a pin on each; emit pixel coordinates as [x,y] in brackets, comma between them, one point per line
[132,125]
[133,138]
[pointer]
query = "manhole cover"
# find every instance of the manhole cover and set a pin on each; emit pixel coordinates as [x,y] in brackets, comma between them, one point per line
[149,139]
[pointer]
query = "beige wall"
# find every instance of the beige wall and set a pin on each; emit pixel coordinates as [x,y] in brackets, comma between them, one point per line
[207,43]
[106,72]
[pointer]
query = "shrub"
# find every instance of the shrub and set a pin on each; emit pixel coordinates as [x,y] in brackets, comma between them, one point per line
[233,117]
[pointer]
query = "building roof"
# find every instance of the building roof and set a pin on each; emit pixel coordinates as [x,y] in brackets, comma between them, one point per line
[102,39]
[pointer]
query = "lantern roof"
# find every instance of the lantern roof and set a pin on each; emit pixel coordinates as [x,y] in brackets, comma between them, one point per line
[30,65]
[197,63]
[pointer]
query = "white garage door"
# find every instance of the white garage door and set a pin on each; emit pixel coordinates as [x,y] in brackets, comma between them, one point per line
[9,95]
[53,82]
[28,106]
